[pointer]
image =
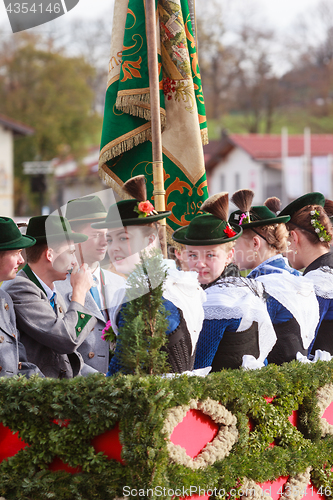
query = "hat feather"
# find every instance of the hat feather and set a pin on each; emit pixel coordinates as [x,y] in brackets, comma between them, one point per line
[274,204]
[136,187]
[328,207]
[217,205]
[243,199]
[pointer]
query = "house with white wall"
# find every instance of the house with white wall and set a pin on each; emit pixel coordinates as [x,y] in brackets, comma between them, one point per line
[9,130]
[75,179]
[257,162]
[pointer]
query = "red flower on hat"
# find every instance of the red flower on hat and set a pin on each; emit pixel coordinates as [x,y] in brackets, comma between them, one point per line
[229,232]
[144,208]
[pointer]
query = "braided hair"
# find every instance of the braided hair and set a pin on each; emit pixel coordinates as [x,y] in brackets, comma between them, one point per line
[314,223]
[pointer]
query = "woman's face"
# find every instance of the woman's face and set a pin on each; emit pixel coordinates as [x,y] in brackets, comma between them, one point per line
[293,253]
[10,260]
[208,261]
[125,245]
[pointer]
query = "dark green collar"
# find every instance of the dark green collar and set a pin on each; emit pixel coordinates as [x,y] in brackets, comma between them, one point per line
[32,277]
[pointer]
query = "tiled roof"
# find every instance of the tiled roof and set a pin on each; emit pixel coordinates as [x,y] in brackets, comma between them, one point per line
[265,146]
[69,167]
[17,128]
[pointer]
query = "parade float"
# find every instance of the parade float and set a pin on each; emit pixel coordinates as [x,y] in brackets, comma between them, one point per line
[262,433]
[147,433]
[233,434]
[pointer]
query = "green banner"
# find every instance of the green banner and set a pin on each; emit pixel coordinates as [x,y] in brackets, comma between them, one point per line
[126,148]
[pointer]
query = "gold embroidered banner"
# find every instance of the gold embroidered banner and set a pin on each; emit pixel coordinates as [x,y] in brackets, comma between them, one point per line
[126,148]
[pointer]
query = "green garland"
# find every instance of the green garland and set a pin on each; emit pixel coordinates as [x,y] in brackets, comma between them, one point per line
[318,227]
[141,405]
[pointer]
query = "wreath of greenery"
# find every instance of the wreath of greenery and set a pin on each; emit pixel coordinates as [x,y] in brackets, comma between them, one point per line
[141,405]
[318,227]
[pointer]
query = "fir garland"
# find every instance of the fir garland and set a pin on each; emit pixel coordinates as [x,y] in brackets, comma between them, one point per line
[141,406]
[142,334]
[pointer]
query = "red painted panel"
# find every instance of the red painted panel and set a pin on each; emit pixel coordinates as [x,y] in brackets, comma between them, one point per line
[194,432]
[275,488]
[328,414]
[58,464]
[312,493]
[268,399]
[10,443]
[61,423]
[251,424]
[293,418]
[109,444]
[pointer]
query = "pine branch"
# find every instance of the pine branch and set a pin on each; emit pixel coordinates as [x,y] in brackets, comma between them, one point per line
[143,333]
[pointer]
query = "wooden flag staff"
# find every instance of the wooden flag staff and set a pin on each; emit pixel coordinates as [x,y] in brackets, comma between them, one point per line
[156,135]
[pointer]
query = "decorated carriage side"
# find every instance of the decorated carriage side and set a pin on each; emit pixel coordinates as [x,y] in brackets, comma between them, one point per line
[159,377]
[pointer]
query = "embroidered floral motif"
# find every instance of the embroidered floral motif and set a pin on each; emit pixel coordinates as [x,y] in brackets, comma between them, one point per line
[181,90]
[318,227]
[169,87]
[131,69]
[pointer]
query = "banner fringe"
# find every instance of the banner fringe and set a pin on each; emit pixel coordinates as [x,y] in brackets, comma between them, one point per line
[107,179]
[204,136]
[138,105]
[124,146]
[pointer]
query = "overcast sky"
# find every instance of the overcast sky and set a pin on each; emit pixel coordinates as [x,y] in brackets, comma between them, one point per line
[279,13]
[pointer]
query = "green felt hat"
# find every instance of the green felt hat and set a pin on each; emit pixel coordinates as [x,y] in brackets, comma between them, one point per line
[123,213]
[259,216]
[11,237]
[303,201]
[51,229]
[87,209]
[206,229]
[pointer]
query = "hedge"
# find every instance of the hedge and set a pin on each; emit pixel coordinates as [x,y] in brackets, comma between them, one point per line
[59,420]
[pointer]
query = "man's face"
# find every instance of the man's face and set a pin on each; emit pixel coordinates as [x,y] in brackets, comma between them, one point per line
[10,260]
[94,249]
[124,246]
[63,259]
[208,261]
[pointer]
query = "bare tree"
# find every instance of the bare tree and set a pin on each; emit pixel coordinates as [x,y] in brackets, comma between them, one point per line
[310,52]
[236,58]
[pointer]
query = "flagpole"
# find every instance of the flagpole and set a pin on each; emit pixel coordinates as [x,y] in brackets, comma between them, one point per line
[284,155]
[156,135]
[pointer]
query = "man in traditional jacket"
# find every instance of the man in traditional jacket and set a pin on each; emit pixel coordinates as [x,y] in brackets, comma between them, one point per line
[51,332]
[13,359]
[81,213]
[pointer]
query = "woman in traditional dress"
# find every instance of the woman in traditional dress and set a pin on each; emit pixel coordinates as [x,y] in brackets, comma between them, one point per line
[237,330]
[132,232]
[291,301]
[310,237]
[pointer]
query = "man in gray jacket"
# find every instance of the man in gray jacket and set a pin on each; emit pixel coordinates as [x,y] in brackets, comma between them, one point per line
[13,359]
[50,331]
[81,213]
